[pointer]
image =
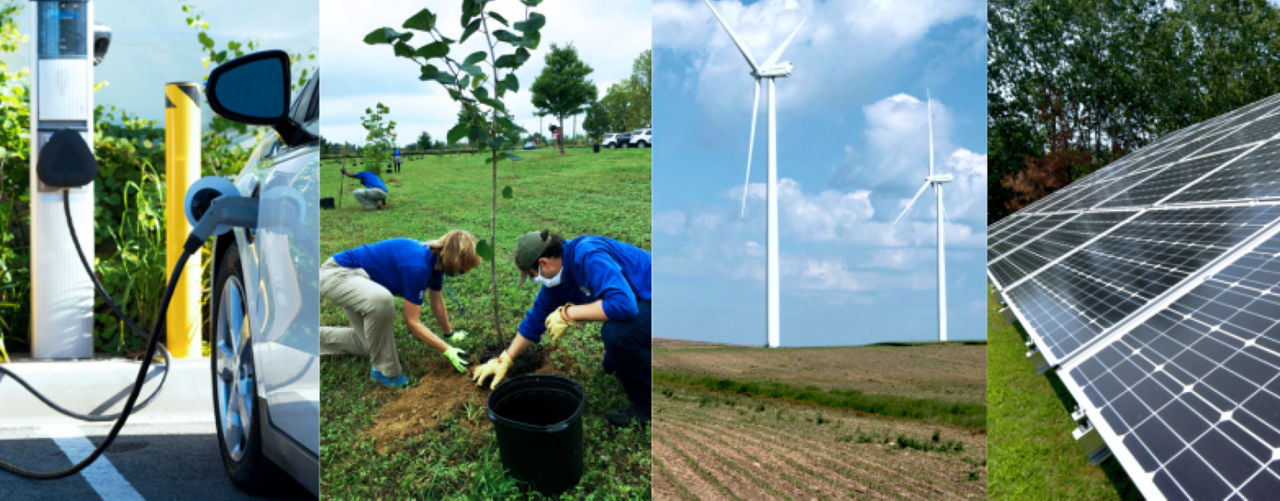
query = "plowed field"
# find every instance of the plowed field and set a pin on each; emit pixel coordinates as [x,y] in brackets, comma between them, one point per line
[711,444]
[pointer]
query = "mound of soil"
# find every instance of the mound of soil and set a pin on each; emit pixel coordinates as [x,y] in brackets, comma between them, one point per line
[440,394]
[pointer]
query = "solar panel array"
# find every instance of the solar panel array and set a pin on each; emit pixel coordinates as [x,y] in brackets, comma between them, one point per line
[1152,286]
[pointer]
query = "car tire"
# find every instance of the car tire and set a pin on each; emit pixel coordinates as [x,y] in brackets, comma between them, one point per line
[642,144]
[235,404]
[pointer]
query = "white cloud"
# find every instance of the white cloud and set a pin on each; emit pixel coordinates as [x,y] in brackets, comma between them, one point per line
[859,36]
[607,35]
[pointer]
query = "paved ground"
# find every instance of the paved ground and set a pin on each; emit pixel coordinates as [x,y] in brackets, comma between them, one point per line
[152,461]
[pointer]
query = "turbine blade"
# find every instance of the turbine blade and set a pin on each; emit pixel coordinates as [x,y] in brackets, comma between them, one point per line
[777,53]
[929,107]
[912,202]
[751,144]
[736,41]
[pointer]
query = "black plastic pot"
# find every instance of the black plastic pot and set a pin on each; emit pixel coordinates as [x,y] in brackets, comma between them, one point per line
[595,148]
[538,421]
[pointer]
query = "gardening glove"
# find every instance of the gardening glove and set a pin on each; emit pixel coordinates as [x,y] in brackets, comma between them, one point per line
[457,335]
[558,322]
[496,367]
[457,356]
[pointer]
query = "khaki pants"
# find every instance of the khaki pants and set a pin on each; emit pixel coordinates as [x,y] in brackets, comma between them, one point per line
[370,308]
[370,198]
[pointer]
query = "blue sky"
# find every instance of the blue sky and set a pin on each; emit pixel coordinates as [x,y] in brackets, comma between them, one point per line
[853,149]
[608,36]
[151,43]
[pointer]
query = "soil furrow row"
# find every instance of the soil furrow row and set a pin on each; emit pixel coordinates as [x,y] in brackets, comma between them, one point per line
[696,479]
[751,465]
[736,481]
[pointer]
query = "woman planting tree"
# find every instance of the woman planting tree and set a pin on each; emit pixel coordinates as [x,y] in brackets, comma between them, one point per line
[364,281]
[588,279]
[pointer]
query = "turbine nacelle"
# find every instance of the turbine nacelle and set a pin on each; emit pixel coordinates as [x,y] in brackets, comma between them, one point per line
[778,70]
[939,178]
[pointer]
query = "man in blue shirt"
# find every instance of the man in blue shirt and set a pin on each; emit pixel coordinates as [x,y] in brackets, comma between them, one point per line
[397,159]
[364,282]
[588,279]
[374,194]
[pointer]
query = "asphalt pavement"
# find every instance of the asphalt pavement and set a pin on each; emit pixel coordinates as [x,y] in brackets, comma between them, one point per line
[169,450]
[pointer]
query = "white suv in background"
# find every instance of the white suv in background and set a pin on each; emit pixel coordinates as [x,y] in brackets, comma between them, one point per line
[610,140]
[642,138]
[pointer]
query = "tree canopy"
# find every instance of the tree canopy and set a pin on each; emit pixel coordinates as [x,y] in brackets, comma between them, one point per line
[1074,84]
[562,89]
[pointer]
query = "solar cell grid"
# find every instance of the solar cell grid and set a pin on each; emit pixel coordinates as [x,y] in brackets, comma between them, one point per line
[1028,231]
[1169,179]
[1193,393]
[1109,279]
[1258,130]
[1049,243]
[1254,176]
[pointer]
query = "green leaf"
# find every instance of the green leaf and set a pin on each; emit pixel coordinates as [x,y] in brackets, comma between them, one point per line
[507,61]
[432,50]
[531,3]
[506,192]
[510,82]
[475,57]
[464,81]
[507,36]
[512,156]
[424,20]
[403,49]
[469,30]
[498,18]
[472,69]
[386,35]
[457,133]
[535,22]
[484,250]
[205,40]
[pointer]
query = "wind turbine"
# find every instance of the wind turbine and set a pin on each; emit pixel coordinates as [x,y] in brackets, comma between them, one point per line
[770,70]
[935,180]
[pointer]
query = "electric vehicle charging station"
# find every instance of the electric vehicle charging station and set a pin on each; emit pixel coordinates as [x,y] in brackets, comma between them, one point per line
[61,99]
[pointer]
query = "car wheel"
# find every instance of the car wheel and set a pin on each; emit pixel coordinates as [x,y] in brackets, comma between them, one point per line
[642,144]
[612,146]
[235,401]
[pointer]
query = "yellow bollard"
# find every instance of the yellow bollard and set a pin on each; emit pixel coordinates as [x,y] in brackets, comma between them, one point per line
[181,168]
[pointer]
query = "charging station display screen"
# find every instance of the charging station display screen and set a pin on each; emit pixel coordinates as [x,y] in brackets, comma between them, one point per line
[63,29]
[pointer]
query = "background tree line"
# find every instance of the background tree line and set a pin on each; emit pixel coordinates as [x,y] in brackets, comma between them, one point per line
[1073,85]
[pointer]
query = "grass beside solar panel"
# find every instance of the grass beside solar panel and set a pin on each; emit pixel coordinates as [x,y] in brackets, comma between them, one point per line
[881,421]
[433,440]
[1032,454]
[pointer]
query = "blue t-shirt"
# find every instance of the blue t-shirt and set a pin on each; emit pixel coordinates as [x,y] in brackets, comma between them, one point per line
[397,152]
[405,266]
[595,267]
[371,180]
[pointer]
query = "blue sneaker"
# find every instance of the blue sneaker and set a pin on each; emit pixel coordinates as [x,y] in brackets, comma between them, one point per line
[398,382]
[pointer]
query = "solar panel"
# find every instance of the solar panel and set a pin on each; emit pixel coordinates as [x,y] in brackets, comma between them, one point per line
[1193,393]
[1152,286]
[1256,175]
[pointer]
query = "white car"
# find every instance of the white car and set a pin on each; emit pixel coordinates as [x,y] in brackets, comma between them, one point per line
[610,140]
[265,355]
[642,138]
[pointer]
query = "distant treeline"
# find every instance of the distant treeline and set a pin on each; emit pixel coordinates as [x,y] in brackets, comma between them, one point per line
[1073,85]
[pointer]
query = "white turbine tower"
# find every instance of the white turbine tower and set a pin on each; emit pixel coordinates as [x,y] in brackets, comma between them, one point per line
[935,180]
[770,70]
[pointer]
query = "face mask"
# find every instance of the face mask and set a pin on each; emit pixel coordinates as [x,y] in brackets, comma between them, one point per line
[549,282]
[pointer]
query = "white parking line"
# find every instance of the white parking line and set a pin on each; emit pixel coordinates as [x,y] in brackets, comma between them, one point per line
[101,475]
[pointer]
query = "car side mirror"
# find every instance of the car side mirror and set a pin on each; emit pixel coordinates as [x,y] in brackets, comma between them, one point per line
[252,89]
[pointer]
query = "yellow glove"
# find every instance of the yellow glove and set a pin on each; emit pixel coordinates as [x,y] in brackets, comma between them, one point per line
[496,367]
[558,322]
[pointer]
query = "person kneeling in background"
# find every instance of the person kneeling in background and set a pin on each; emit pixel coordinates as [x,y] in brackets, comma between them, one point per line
[374,194]
[588,279]
[364,282]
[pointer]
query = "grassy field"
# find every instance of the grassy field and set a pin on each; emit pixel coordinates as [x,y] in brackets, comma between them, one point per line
[751,423]
[433,440]
[1032,453]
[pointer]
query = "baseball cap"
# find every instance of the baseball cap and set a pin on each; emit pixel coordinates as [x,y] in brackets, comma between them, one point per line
[528,249]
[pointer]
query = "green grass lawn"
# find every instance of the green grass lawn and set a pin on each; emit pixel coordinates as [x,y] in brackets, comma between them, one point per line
[574,194]
[1029,445]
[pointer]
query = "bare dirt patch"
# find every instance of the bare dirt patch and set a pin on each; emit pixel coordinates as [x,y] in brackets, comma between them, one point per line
[441,395]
